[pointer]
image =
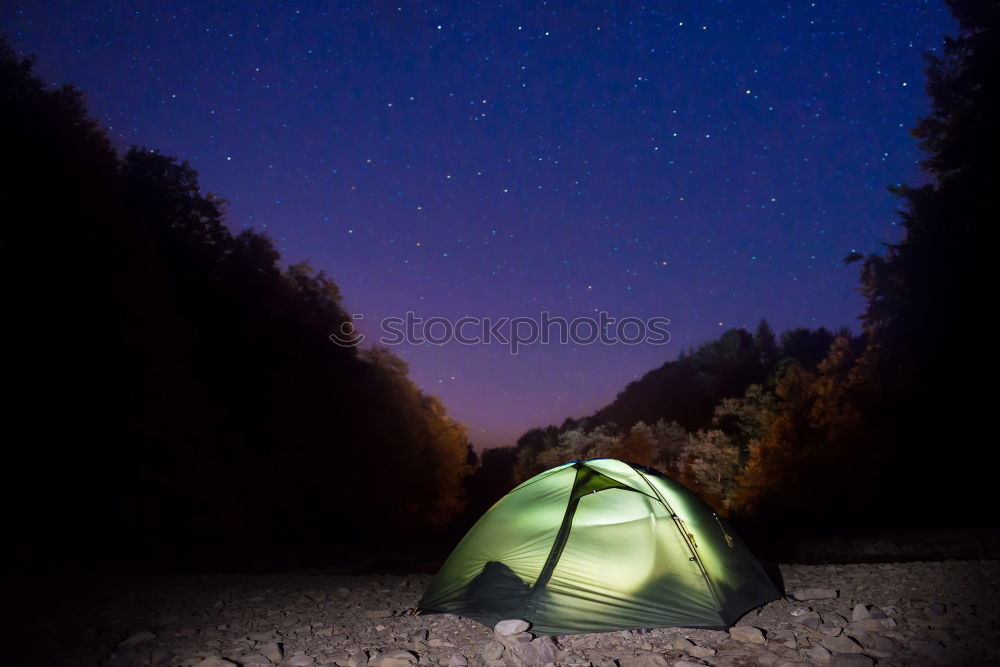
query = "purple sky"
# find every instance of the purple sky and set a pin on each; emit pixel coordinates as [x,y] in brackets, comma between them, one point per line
[709,162]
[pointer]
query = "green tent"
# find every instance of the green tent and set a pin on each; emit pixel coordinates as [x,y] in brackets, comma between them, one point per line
[599,545]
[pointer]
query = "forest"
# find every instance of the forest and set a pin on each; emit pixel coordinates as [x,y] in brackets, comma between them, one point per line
[173,390]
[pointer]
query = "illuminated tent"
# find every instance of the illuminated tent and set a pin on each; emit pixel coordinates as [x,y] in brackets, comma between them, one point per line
[600,545]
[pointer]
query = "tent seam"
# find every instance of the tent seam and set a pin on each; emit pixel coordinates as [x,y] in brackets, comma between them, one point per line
[687,540]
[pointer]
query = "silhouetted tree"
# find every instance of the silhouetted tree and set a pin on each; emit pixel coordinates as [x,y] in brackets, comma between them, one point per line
[928,288]
[175,387]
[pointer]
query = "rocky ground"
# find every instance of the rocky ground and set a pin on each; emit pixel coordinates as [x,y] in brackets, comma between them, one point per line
[922,613]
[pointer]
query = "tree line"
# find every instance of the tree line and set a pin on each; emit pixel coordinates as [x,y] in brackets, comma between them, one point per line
[172,388]
[891,426]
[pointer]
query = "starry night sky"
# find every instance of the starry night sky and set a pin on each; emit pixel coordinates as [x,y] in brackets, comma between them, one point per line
[710,162]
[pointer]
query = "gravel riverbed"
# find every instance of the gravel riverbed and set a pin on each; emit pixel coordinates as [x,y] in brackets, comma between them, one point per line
[920,613]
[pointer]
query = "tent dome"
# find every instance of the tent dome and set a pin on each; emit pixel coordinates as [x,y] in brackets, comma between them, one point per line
[600,545]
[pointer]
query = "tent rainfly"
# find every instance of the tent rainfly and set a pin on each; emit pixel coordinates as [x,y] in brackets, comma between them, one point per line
[600,545]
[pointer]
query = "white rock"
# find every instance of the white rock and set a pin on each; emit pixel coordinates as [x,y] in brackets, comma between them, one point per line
[511,627]
[458,660]
[860,613]
[683,644]
[701,651]
[301,660]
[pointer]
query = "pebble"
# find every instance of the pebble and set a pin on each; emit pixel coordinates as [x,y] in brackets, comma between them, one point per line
[817,654]
[492,651]
[271,651]
[932,613]
[215,662]
[511,627]
[646,660]
[860,613]
[746,633]
[541,651]
[398,658]
[841,645]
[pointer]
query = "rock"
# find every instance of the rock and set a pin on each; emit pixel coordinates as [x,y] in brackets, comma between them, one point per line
[436,642]
[458,660]
[811,620]
[817,654]
[268,636]
[814,594]
[835,619]
[860,613]
[137,638]
[325,632]
[301,660]
[800,611]
[378,613]
[511,627]
[397,658]
[841,644]
[747,633]
[686,663]
[272,650]
[850,660]
[882,643]
[539,651]
[255,659]
[683,644]
[356,658]
[215,662]
[866,625]
[767,658]
[646,660]
[509,641]
[701,651]
[493,650]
